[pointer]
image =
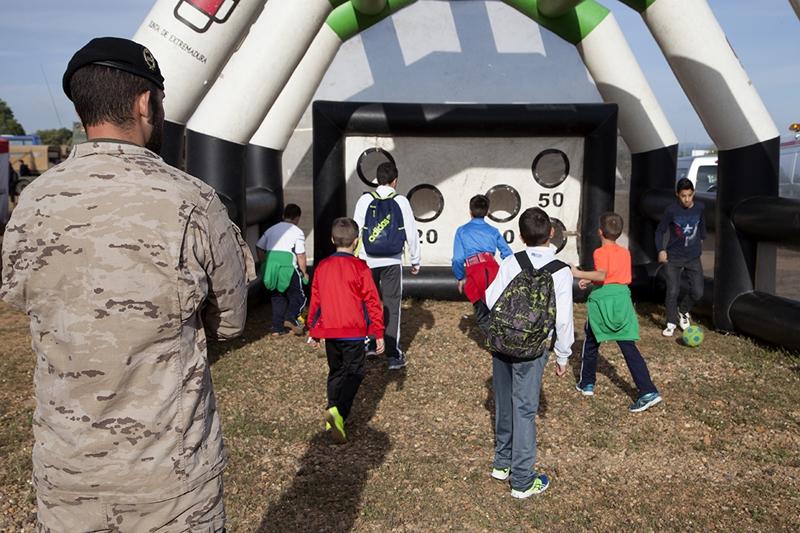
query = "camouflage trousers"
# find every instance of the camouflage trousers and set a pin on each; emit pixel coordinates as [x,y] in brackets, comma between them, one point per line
[201,510]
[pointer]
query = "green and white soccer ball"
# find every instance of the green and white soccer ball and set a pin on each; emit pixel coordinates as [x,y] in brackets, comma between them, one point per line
[693,336]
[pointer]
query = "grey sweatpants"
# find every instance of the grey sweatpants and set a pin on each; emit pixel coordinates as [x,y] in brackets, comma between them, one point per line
[516,400]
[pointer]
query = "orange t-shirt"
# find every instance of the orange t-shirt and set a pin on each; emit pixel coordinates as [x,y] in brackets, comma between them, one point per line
[615,261]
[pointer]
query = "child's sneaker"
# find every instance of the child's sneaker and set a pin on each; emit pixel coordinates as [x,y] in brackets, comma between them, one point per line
[501,473]
[336,422]
[645,402]
[396,363]
[669,330]
[294,325]
[539,485]
[684,321]
[586,390]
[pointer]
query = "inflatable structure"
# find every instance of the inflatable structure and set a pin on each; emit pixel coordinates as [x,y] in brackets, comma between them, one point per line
[241,76]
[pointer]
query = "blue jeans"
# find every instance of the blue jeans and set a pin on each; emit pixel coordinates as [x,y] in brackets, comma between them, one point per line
[516,400]
[694,273]
[289,304]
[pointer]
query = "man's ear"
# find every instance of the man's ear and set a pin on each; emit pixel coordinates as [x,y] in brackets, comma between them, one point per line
[142,105]
[552,232]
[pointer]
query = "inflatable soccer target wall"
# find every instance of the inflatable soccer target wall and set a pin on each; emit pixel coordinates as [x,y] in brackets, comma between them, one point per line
[560,157]
[241,75]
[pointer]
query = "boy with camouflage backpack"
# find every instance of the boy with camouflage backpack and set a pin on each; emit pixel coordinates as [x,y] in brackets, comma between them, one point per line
[530,302]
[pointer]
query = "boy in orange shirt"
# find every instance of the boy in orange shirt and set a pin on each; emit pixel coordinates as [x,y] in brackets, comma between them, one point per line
[611,314]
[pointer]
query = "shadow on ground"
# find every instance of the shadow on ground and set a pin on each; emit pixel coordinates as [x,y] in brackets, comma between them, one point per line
[308,504]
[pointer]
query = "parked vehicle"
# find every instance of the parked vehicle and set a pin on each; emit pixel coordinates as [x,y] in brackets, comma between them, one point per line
[30,157]
[702,170]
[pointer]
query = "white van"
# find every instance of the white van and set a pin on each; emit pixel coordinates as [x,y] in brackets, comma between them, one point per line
[701,170]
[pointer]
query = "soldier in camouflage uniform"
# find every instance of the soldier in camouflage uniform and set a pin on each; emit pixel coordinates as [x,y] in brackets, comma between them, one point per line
[124,265]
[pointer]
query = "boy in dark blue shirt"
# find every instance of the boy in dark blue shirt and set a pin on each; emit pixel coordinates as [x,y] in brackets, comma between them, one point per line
[474,264]
[685,224]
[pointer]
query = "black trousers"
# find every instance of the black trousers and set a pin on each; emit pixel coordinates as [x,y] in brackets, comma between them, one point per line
[694,273]
[389,280]
[345,372]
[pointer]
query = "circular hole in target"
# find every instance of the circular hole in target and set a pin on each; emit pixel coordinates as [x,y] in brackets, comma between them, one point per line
[368,163]
[559,239]
[550,168]
[427,202]
[504,203]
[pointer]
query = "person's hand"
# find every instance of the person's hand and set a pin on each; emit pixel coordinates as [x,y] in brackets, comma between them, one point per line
[584,283]
[380,346]
[560,370]
[414,269]
[662,256]
[461,286]
[575,270]
[314,343]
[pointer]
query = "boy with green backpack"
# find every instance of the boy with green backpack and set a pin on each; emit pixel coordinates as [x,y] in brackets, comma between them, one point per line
[531,303]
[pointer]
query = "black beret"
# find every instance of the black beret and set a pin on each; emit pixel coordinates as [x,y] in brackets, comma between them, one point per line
[122,54]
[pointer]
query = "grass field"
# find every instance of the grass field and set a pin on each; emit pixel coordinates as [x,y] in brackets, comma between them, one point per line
[721,452]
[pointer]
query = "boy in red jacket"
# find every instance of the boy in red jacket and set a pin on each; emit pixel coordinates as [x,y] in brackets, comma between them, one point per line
[345,308]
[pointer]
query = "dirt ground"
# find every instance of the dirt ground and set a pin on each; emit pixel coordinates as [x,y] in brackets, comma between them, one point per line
[721,452]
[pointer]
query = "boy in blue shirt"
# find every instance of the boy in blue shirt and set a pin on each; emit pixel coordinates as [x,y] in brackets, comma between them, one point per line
[474,264]
[685,223]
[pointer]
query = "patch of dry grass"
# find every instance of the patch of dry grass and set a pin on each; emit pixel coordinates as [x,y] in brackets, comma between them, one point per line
[721,452]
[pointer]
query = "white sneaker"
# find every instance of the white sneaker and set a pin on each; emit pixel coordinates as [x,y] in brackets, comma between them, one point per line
[685,321]
[669,330]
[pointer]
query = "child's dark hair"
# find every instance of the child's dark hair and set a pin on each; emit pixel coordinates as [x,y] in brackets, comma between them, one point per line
[534,226]
[344,232]
[291,212]
[611,225]
[386,173]
[478,206]
[683,185]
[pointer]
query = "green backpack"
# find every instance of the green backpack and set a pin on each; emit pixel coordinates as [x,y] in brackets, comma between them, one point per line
[524,316]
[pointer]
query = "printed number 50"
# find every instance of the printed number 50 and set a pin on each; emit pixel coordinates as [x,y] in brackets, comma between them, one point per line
[545,198]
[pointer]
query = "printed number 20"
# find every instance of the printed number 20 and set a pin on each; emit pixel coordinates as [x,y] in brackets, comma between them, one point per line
[545,198]
[431,236]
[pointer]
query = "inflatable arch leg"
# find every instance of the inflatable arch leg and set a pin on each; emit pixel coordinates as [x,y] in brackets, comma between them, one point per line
[191,45]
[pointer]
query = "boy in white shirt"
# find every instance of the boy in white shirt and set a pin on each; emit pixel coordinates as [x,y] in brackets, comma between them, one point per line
[283,250]
[517,380]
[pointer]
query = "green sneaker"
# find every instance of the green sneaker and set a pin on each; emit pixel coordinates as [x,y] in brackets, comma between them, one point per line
[336,422]
[501,473]
[539,485]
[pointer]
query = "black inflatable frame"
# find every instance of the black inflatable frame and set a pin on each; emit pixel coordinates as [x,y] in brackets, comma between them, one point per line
[334,121]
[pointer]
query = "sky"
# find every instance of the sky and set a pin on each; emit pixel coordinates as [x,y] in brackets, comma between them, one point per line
[39,37]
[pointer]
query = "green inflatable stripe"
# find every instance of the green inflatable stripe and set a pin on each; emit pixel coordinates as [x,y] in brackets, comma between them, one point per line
[346,21]
[573,26]
[638,5]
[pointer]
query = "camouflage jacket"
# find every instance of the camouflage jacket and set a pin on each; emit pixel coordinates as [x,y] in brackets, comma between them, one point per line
[123,264]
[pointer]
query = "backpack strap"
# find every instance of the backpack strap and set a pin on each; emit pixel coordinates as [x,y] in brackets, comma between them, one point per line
[375,195]
[554,266]
[523,260]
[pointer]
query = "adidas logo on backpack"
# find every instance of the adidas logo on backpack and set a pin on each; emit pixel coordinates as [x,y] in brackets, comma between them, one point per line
[524,317]
[383,233]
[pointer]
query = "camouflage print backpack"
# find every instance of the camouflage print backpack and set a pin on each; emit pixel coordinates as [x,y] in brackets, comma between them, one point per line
[524,316]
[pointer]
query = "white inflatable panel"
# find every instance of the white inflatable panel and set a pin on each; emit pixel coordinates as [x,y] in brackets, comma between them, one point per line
[463,167]
[192,39]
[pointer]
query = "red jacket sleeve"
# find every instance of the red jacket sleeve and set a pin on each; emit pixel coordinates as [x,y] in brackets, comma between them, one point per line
[372,300]
[313,306]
